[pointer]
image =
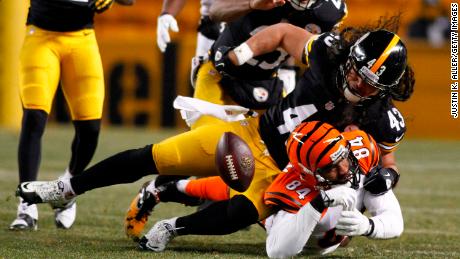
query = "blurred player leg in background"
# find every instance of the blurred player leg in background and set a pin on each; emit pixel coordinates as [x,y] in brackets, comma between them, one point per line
[65,48]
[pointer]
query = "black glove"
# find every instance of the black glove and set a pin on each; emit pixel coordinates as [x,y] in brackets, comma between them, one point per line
[379,180]
[100,6]
[222,62]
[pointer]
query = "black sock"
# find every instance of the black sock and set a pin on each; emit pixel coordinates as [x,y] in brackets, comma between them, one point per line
[124,167]
[163,179]
[84,144]
[29,150]
[220,218]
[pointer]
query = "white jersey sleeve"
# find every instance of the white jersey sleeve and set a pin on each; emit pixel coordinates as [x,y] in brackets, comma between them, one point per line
[288,233]
[386,214]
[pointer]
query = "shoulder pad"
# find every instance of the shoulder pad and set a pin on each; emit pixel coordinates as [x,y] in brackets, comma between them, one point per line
[317,48]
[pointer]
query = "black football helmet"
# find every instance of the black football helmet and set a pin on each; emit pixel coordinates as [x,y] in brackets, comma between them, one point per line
[380,58]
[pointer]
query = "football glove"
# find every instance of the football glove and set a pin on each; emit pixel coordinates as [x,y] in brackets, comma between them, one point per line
[222,62]
[340,196]
[165,22]
[354,223]
[379,180]
[100,6]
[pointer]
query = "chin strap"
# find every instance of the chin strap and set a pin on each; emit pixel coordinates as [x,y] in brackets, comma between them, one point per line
[350,96]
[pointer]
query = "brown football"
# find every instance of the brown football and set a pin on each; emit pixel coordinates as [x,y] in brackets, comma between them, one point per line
[235,161]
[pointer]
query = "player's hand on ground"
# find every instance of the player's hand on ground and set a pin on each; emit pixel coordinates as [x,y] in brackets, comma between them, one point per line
[100,6]
[340,196]
[353,223]
[166,22]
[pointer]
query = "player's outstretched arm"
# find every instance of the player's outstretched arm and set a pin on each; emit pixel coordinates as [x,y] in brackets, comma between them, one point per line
[386,219]
[289,37]
[289,232]
[172,7]
[166,22]
[229,10]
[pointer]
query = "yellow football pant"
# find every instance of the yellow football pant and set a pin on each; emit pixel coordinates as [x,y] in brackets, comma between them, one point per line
[207,88]
[73,58]
[192,153]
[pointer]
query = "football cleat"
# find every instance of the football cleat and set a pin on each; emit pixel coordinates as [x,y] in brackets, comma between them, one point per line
[139,210]
[64,216]
[159,236]
[52,192]
[27,217]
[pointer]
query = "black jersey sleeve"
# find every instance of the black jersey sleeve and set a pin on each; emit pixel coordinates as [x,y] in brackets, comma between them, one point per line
[389,129]
[318,51]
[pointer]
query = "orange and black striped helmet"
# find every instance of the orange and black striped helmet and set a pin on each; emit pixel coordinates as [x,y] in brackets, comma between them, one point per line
[315,147]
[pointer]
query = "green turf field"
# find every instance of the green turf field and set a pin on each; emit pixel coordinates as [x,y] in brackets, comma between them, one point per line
[428,192]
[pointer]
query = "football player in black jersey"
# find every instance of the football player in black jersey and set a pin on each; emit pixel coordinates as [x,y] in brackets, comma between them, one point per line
[373,62]
[339,76]
[255,85]
[60,44]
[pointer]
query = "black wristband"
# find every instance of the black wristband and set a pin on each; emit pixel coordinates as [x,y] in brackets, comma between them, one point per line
[371,222]
[318,203]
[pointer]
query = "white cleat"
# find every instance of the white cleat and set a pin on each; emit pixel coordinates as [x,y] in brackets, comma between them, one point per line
[159,235]
[65,216]
[53,192]
[27,217]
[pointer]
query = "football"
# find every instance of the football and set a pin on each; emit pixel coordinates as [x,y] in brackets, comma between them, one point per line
[235,161]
